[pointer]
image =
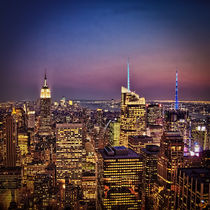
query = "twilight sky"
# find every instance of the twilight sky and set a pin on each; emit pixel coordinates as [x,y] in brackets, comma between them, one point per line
[84,46]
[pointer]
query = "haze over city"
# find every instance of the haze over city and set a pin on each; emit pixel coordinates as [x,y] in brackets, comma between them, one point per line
[84,46]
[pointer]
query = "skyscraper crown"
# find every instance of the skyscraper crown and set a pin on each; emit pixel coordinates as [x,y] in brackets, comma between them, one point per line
[45,91]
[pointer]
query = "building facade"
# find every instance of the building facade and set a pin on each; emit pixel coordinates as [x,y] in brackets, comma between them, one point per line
[150,160]
[69,152]
[169,160]
[133,115]
[120,176]
[193,188]
[10,141]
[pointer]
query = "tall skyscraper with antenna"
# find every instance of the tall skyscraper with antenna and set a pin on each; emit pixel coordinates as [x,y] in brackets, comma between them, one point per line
[177,119]
[176,93]
[133,113]
[45,109]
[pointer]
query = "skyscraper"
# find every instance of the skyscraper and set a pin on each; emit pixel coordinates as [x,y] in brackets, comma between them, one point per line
[10,141]
[177,118]
[169,160]
[193,188]
[133,114]
[114,128]
[31,119]
[120,171]
[150,159]
[45,109]
[69,152]
[154,114]
[136,143]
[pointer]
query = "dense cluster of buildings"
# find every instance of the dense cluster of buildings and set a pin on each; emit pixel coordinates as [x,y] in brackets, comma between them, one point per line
[61,155]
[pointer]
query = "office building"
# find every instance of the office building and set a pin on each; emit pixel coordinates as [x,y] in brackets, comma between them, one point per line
[120,176]
[154,114]
[156,132]
[10,141]
[42,190]
[23,142]
[169,160]
[133,114]
[69,152]
[114,130]
[136,143]
[199,136]
[31,119]
[150,159]
[193,189]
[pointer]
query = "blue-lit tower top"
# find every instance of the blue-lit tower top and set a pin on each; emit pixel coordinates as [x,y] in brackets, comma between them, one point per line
[176,94]
[128,75]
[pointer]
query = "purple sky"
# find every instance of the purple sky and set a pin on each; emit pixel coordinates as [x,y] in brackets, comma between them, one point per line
[85,46]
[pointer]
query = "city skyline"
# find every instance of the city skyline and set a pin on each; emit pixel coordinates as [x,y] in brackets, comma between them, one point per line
[85,46]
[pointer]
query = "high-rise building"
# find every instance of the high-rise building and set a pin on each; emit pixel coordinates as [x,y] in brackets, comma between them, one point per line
[156,132]
[133,113]
[193,188]
[89,188]
[114,130]
[31,119]
[69,152]
[133,116]
[208,133]
[20,117]
[72,195]
[136,143]
[23,142]
[120,176]
[89,176]
[42,184]
[154,114]
[169,160]
[150,159]
[178,120]
[45,109]
[176,105]
[99,117]
[199,136]
[10,141]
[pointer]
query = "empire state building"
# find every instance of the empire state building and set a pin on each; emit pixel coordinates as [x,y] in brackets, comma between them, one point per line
[45,109]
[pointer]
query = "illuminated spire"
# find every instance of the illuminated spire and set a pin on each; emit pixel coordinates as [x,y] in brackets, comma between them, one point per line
[45,91]
[128,76]
[176,94]
[45,79]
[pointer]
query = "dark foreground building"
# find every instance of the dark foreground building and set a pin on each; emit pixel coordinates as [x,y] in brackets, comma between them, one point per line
[193,187]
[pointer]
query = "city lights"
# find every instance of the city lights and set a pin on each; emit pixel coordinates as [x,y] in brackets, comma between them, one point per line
[121,119]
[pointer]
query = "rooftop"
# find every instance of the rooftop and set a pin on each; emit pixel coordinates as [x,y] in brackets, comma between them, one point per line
[151,149]
[69,125]
[139,139]
[119,152]
[202,174]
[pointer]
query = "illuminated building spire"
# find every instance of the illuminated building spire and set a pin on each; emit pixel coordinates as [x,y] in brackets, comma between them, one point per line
[45,91]
[45,79]
[176,94]
[128,75]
